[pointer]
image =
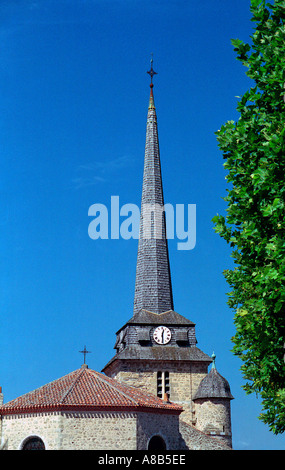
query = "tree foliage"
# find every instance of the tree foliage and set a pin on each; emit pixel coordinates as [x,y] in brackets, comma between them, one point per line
[254,153]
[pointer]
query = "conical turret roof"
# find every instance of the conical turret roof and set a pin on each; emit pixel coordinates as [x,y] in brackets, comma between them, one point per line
[214,385]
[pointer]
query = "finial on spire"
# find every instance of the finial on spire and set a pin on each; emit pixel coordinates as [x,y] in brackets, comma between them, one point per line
[214,361]
[151,72]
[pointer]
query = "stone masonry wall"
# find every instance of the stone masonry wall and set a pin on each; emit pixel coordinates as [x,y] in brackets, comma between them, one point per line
[193,439]
[71,431]
[184,380]
[99,431]
[166,426]
[91,430]
[214,417]
[17,428]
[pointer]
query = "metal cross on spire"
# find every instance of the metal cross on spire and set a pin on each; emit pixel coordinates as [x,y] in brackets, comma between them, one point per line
[151,72]
[84,352]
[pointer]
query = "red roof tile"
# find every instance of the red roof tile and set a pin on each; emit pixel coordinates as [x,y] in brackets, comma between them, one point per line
[87,389]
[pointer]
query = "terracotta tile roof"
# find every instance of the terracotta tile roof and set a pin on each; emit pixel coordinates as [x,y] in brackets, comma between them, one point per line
[86,389]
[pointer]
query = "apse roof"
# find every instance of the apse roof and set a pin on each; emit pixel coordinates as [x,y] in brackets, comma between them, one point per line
[86,389]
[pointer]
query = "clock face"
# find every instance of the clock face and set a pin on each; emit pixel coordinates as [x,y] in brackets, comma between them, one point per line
[162,335]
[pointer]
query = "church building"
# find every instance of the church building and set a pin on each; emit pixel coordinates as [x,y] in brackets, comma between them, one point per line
[156,392]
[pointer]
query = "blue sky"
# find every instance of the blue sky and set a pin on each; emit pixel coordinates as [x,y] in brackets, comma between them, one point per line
[74,95]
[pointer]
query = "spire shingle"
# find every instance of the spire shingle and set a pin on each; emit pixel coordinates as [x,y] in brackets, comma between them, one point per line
[153,289]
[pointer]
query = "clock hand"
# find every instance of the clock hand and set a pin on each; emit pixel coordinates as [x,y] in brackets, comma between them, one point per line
[162,336]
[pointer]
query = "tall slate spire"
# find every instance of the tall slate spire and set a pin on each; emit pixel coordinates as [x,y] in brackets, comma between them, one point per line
[153,290]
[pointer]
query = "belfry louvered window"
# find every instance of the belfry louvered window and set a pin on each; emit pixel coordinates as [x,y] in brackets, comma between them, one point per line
[163,385]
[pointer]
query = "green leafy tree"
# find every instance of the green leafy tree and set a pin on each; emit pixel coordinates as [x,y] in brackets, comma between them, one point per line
[254,153]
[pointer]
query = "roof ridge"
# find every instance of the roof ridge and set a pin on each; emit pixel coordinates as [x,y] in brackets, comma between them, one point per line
[109,381]
[38,389]
[102,377]
[80,372]
[158,314]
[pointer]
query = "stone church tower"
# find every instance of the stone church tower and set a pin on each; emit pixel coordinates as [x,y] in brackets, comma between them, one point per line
[156,350]
[156,392]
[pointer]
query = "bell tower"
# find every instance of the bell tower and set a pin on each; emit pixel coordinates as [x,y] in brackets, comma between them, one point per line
[156,350]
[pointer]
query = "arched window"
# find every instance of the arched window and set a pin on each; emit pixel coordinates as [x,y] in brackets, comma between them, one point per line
[163,386]
[33,443]
[156,443]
